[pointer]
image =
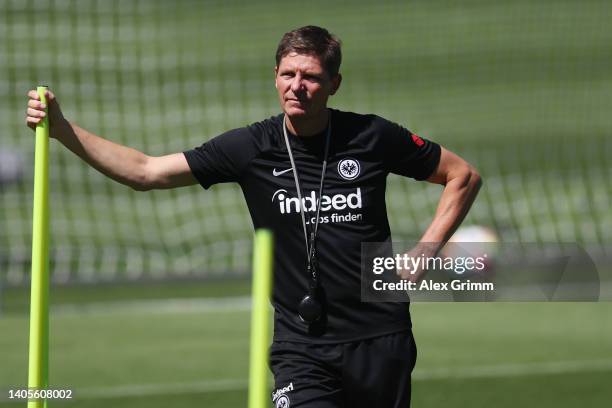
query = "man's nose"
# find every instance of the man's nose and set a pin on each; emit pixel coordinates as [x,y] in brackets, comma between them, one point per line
[297,84]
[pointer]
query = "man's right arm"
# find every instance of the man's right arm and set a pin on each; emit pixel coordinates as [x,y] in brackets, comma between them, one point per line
[121,163]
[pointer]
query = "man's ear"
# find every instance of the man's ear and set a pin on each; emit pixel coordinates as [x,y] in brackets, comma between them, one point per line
[336,81]
[275,74]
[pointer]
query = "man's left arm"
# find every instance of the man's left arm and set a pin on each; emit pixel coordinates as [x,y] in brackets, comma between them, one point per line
[461,183]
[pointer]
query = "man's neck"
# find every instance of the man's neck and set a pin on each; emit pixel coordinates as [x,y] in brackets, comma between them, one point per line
[308,127]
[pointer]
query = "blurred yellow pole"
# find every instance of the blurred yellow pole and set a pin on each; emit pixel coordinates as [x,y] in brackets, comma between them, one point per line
[39,308]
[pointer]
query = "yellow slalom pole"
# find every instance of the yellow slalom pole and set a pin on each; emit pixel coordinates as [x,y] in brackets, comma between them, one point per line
[39,308]
[260,319]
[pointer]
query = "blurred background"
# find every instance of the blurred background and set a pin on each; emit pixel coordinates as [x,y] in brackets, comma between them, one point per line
[150,290]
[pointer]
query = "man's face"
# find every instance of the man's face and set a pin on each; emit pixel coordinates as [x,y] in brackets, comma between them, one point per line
[303,85]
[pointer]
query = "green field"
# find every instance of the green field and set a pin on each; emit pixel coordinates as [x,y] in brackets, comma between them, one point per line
[168,352]
[521,89]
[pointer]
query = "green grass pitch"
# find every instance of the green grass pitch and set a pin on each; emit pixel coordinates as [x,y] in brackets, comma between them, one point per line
[470,355]
[521,89]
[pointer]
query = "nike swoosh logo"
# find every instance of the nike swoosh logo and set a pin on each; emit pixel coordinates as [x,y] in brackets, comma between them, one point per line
[276,173]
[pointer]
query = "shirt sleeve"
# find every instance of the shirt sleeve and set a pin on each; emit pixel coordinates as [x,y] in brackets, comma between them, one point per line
[407,154]
[222,159]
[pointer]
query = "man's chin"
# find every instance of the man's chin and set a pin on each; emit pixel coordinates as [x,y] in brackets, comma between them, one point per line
[296,113]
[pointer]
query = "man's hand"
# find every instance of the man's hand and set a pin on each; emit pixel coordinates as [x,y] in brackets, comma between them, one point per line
[418,255]
[35,111]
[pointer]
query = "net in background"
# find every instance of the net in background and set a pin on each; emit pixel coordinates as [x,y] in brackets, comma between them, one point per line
[521,90]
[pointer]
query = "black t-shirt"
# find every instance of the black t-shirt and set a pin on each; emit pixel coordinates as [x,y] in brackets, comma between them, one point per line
[364,149]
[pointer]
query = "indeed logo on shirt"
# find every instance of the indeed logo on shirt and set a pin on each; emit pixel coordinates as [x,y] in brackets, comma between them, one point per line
[288,205]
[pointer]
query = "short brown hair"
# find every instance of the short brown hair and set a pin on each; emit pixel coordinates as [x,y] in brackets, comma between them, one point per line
[312,40]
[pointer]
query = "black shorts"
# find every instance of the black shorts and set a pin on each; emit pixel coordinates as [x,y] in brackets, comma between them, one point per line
[373,373]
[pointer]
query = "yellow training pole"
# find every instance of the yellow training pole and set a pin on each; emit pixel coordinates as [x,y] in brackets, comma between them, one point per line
[260,319]
[39,308]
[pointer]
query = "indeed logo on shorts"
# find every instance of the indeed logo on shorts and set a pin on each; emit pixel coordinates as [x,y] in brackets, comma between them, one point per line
[282,391]
[289,205]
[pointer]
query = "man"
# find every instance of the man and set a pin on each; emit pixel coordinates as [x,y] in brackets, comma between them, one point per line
[316,177]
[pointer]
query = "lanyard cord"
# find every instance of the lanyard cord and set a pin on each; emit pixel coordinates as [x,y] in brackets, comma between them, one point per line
[310,248]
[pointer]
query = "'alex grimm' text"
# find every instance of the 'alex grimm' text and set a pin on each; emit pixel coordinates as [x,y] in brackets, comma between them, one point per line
[430,285]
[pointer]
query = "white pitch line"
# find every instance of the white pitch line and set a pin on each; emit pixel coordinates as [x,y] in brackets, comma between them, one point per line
[488,371]
[157,306]
[139,390]
[514,369]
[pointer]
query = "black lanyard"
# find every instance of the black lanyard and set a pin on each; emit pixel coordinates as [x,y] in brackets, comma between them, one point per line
[309,243]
